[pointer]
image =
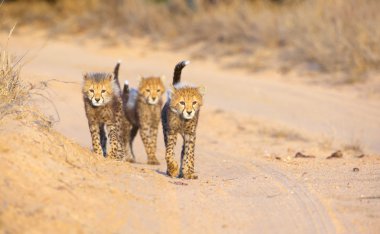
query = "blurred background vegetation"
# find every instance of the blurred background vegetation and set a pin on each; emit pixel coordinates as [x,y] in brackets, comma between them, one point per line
[339,37]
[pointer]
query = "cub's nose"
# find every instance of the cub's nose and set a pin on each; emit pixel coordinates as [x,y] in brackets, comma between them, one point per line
[97,99]
[153,98]
[189,112]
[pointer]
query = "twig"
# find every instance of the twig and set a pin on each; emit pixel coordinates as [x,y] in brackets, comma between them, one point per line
[369,198]
[274,195]
[9,35]
[52,103]
[360,156]
[178,183]
[231,179]
[301,155]
[15,64]
[36,53]
[61,81]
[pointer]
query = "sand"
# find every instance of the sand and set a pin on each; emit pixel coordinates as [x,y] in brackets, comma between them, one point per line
[251,127]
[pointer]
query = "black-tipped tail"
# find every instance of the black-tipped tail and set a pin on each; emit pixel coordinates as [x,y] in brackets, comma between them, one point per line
[125,94]
[177,71]
[116,73]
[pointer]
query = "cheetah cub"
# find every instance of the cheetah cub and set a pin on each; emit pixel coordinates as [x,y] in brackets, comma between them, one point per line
[180,116]
[143,111]
[103,107]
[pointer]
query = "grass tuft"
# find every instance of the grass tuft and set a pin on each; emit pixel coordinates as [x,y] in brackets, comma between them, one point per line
[12,90]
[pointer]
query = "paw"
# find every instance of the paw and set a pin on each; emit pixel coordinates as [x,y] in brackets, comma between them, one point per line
[99,152]
[116,155]
[173,169]
[111,155]
[153,161]
[130,160]
[190,176]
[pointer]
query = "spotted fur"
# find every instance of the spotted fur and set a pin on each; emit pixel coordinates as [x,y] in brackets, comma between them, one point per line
[103,107]
[180,116]
[143,111]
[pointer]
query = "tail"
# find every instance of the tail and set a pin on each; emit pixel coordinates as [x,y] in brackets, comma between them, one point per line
[125,93]
[177,71]
[116,73]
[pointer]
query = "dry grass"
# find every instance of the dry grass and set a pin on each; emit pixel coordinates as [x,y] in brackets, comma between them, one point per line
[16,94]
[12,91]
[330,36]
[338,36]
[11,87]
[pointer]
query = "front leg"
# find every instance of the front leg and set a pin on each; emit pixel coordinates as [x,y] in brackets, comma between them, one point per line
[149,143]
[153,138]
[188,157]
[114,135]
[95,137]
[170,142]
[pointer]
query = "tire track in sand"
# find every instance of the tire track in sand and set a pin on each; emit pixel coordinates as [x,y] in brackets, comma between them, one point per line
[270,200]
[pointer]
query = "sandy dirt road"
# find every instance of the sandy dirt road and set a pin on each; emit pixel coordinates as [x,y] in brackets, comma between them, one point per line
[250,129]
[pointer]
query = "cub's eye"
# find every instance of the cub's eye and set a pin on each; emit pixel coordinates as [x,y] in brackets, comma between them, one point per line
[158,90]
[194,102]
[182,103]
[91,90]
[103,91]
[147,90]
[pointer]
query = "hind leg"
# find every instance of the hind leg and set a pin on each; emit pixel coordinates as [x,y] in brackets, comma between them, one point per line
[116,145]
[103,139]
[129,141]
[126,128]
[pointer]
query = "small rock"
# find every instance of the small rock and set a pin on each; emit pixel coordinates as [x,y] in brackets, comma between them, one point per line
[355,169]
[178,183]
[337,154]
[301,155]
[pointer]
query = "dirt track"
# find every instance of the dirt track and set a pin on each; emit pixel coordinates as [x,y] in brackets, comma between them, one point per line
[250,129]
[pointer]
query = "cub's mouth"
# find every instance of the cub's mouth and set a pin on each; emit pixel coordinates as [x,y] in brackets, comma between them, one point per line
[97,103]
[187,115]
[152,101]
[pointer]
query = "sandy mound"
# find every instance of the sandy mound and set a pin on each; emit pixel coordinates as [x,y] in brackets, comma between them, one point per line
[50,183]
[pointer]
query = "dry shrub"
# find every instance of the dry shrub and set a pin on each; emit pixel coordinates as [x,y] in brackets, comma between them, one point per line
[336,37]
[12,90]
[339,36]
[331,36]
[14,93]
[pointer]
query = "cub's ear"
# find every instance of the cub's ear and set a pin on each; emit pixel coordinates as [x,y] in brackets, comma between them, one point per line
[202,90]
[85,76]
[110,76]
[172,89]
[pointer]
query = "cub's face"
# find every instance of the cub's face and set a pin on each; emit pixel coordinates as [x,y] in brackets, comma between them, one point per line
[151,88]
[98,88]
[187,101]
